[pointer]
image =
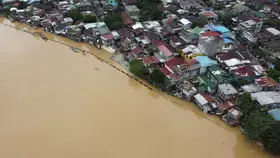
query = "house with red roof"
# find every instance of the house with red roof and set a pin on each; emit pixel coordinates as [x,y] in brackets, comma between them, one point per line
[247,72]
[211,16]
[267,84]
[165,51]
[126,19]
[189,69]
[138,53]
[151,61]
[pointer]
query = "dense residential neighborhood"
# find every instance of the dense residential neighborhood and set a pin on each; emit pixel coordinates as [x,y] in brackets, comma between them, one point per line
[222,55]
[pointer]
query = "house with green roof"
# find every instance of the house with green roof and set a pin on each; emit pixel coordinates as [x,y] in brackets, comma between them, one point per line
[214,76]
[197,30]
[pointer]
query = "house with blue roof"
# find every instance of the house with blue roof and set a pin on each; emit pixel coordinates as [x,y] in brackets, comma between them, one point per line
[275,114]
[205,62]
[225,32]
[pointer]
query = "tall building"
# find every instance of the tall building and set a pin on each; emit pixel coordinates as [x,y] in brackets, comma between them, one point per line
[210,43]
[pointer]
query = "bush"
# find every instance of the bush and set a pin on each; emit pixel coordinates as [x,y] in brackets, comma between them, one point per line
[256,124]
[89,18]
[138,68]
[271,138]
[114,21]
[157,76]
[76,16]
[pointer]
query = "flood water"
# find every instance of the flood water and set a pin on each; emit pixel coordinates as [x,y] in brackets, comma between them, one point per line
[55,103]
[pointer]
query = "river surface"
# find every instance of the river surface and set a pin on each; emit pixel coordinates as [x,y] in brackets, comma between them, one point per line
[55,103]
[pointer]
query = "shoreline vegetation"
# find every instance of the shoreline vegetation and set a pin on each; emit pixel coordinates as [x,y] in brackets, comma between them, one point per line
[149,82]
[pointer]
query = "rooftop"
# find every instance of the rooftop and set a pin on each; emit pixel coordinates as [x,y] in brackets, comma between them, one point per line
[244,71]
[266,97]
[200,98]
[266,82]
[273,31]
[131,8]
[251,88]
[209,14]
[150,60]
[275,114]
[185,21]
[205,61]
[163,47]
[227,89]
[126,19]
[151,24]
[219,73]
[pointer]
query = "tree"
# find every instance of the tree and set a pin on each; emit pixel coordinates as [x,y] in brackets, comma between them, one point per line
[271,138]
[274,74]
[76,16]
[88,18]
[245,103]
[240,82]
[278,2]
[22,5]
[138,68]
[157,76]
[200,22]
[256,124]
[113,21]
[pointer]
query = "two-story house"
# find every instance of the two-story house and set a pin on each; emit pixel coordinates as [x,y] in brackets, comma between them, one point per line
[189,69]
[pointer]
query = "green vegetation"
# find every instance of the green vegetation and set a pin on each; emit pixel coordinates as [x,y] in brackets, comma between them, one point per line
[138,68]
[149,10]
[76,16]
[274,74]
[245,103]
[240,82]
[200,22]
[258,125]
[89,18]
[157,76]
[271,138]
[114,21]
[278,2]
[22,5]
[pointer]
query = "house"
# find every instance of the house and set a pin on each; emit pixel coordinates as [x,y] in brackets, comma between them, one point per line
[268,34]
[163,33]
[151,24]
[189,69]
[247,72]
[68,21]
[210,43]
[133,12]
[151,61]
[138,52]
[223,107]
[187,89]
[190,52]
[275,114]
[226,91]
[250,28]
[172,25]
[73,32]
[150,35]
[211,16]
[234,58]
[267,84]
[271,47]
[126,19]
[251,88]
[270,99]
[127,45]
[185,4]
[205,62]
[232,117]
[165,50]
[99,27]
[109,38]
[205,102]
[177,42]
[83,6]
[214,76]
[171,78]
[185,23]
[129,2]
[46,24]
[272,8]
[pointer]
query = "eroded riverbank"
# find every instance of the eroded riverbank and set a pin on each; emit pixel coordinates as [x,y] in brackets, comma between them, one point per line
[55,103]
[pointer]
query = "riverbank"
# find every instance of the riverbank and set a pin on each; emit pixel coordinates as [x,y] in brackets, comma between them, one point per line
[242,147]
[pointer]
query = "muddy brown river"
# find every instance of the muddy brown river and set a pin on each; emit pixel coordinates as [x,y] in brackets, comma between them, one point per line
[55,103]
